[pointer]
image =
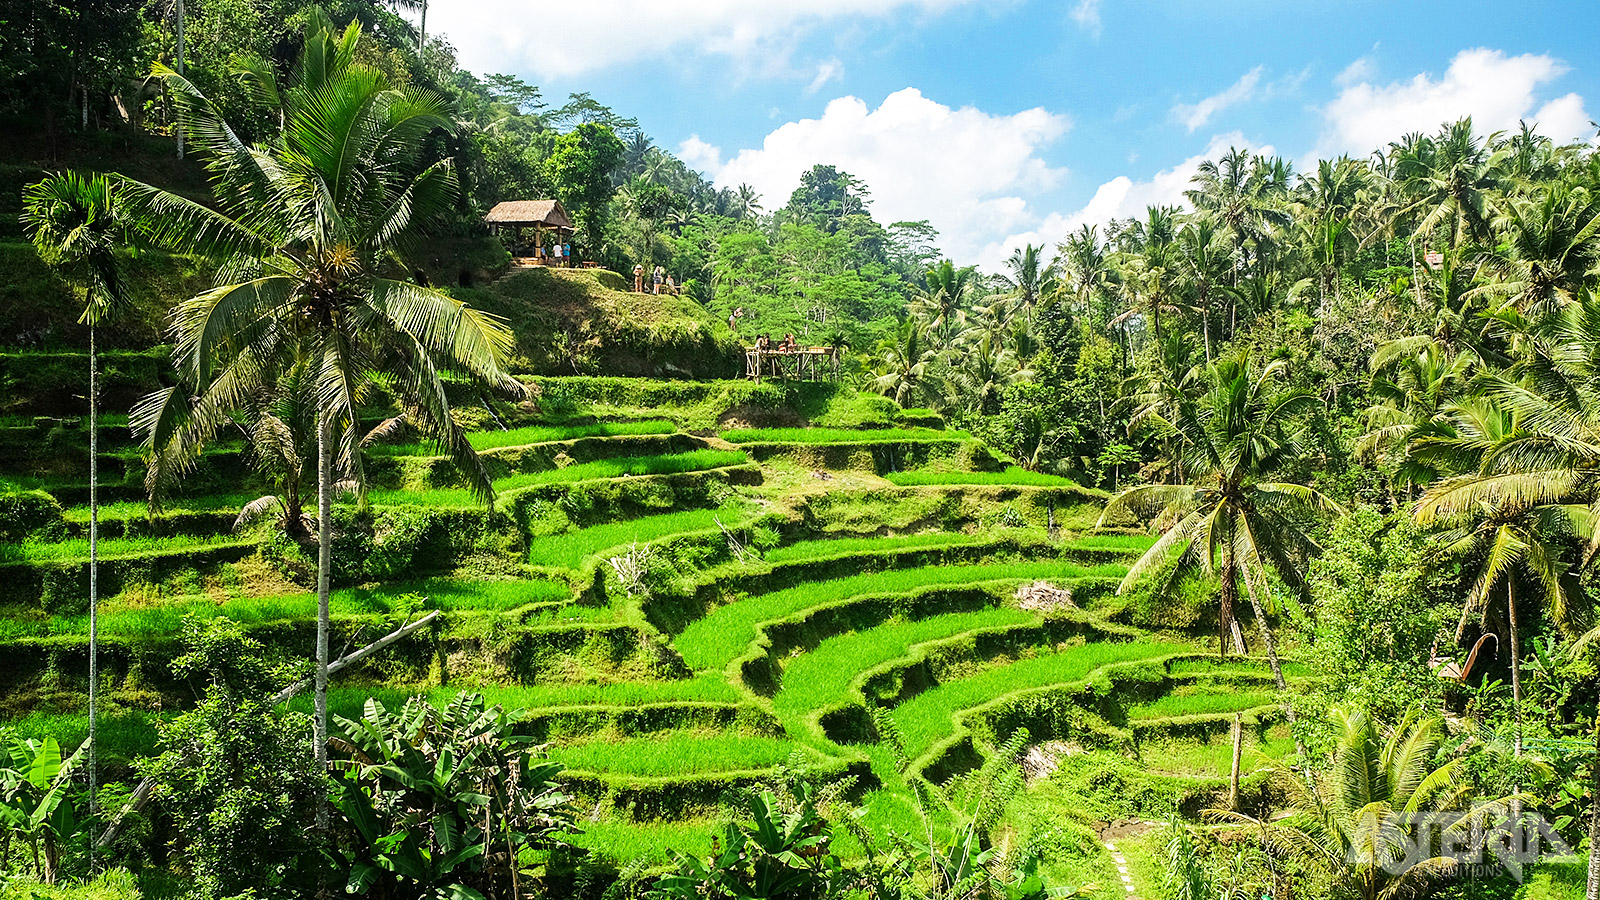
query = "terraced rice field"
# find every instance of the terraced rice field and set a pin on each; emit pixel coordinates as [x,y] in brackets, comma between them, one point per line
[824,676]
[839,435]
[1011,475]
[930,716]
[714,641]
[570,550]
[536,434]
[542,623]
[679,754]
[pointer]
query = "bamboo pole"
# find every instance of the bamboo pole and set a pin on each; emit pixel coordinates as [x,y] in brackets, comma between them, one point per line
[1238,754]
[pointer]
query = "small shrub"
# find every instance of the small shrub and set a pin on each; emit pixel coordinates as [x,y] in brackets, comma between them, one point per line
[28,515]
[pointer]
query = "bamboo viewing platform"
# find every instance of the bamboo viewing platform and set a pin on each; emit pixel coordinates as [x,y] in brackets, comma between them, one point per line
[802,364]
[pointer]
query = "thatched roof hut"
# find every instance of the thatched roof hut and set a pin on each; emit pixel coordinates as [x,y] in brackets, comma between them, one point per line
[528,214]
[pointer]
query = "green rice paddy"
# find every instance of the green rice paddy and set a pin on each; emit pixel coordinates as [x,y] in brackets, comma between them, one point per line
[621,467]
[823,677]
[111,548]
[569,550]
[1197,700]
[678,753]
[843,546]
[1011,475]
[930,716]
[716,639]
[534,434]
[839,435]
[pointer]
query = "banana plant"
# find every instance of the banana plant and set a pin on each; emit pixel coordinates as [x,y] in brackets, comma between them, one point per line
[34,805]
[777,854]
[448,804]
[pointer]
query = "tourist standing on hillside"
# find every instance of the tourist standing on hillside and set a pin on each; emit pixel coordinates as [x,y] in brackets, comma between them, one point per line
[733,319]
[566,254]
[660,274]
[638,278]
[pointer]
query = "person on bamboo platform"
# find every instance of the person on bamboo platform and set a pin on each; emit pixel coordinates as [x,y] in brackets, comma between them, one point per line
[788,345]
[638,278]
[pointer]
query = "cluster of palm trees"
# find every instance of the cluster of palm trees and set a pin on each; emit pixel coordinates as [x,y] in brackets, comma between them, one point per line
[309,325]
[966,338]
[1483,413]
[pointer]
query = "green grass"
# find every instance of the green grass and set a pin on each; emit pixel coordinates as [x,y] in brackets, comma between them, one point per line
[626,841]
[109,548]
[929,716]
[131,616]
[664,464]
[138,509]
[347,701]
[534,434]
[1189,702]
[1011,475]
[1214,759]
[120,734]
[569,550]
[714,641]
[822,677]
[840,546]
[839,435]
[1235,666]
[1131,542]
[675,753]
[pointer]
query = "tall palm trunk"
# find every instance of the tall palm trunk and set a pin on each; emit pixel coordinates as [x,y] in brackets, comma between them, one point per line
[180,13]
[1277,667]
[94,573]
[1594,817]
[1516,701]
[1228,617]
[324,575]
[1516,664]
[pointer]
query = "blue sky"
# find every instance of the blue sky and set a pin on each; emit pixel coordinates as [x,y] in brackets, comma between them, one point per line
[1004,121]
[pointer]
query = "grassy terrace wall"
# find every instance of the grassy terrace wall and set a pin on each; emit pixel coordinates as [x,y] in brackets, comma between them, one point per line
[421,473]
[951,507]
[552,508]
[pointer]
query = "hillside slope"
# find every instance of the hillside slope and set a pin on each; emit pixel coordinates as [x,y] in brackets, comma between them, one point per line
[586,322]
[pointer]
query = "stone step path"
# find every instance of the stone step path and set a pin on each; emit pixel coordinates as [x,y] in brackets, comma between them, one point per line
[1122,870]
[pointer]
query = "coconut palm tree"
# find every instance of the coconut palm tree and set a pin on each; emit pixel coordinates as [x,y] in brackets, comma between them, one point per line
[79,222]
[1352,820]
[1230,519]
[1030,278]
[1202,263]
[1411,392]
[943,303]
[1452,181]
[305,228]
[1549,249]
[904,364]
[1243,196]
[747,202]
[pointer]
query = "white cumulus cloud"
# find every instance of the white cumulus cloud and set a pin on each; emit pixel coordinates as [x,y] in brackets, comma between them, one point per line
[1120,198]
[1087,14]
[552,42]
[1197,114]
[964,170]
[1496,90]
